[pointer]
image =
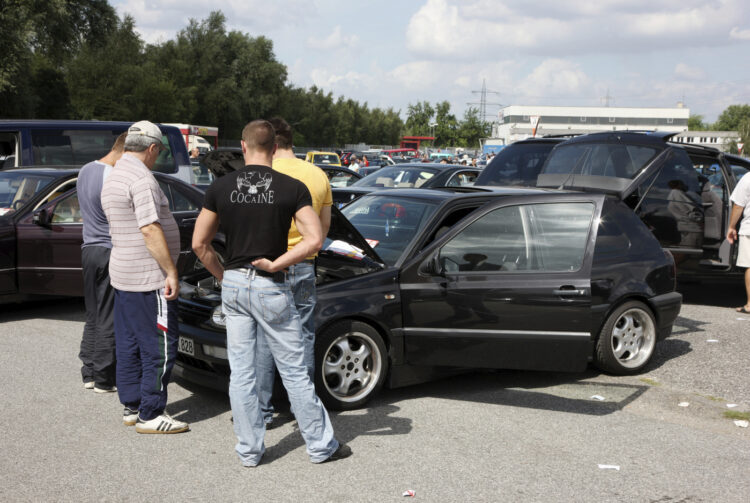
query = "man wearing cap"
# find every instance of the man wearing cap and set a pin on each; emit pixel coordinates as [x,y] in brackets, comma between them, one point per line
[145,247]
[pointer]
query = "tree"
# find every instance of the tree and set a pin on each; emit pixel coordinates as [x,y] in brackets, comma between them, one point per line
[731,118]
[695,123]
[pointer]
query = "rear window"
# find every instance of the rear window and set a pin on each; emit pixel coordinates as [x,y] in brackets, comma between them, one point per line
[613,160]
[516,165]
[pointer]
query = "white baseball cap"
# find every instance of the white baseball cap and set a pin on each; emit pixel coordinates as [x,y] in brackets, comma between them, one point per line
[145,128]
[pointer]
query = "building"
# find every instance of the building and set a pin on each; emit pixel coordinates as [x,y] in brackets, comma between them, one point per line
[721,140]
[518,122]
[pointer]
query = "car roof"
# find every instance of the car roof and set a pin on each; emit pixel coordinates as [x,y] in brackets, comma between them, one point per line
[651,138]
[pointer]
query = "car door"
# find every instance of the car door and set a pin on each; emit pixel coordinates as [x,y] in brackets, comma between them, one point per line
[49,252]
[509,288]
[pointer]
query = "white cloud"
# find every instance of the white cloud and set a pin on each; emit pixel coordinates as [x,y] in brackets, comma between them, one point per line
[479,29]
[334,40]
[689,72]
[737,34]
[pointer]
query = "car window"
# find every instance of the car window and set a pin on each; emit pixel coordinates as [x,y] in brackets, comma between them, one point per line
[67,211]
[548,237]
[180,201]
[462,179]
[165,188]
[600,159]
[18,188]
[340,178]
[389,224]
[517,164]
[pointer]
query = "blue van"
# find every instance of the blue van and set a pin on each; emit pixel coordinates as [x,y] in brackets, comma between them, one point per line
[74,143]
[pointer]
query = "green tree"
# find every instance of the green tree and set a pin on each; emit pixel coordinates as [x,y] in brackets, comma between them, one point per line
[731,118]
[695,123]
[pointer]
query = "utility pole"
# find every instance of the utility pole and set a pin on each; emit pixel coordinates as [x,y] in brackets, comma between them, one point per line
[483,100]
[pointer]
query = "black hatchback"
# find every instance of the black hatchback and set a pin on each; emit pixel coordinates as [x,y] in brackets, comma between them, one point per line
[416,283]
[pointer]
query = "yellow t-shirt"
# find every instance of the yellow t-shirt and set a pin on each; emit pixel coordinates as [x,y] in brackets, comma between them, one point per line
[317,183]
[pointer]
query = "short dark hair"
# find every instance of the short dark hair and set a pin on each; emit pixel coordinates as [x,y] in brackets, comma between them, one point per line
[259,135]
[283,133]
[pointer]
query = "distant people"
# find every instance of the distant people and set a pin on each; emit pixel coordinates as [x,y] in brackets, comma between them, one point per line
[740,199]
[145,247]
[98,342]
[301,275]
[354,164]
[256,292]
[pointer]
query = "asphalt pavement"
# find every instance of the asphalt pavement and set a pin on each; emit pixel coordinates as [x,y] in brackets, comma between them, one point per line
[488,436]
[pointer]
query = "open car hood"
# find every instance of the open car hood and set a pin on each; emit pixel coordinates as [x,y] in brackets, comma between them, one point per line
[344,239]
[221,162]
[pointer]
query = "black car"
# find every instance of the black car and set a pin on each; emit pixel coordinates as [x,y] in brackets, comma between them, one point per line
[415,175]
[413,284]
[680,191]
[41,230]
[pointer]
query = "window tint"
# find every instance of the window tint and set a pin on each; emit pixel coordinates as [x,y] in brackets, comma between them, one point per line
[517,164]
[67,211]
[536,237]
[60,147]
[600,159]
[181,202]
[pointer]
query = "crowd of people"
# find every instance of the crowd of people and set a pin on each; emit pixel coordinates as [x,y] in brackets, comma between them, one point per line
[131,245]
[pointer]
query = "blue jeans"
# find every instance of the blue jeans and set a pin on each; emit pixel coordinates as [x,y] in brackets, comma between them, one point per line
[302,282]
[254,303]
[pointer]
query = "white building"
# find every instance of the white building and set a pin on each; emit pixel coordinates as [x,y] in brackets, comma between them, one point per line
[516,122]
[716,139]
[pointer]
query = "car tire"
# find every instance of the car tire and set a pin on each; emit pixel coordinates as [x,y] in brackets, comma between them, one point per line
[627,339]
[351,363]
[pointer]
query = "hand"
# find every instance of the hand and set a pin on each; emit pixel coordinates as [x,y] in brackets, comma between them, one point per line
[171,287]
[731,235]
[264,264]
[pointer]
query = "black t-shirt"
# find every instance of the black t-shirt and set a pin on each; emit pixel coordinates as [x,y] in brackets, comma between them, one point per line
[255,206]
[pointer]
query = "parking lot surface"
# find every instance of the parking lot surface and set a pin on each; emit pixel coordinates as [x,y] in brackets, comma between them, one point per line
[487,436]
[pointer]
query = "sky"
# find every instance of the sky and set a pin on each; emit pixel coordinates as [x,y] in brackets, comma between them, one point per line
[392,53]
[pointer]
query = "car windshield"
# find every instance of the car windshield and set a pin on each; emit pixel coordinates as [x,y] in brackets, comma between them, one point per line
[325,159]
[17,188]
[518,164]
[614,160]
[389,224]
[397,177]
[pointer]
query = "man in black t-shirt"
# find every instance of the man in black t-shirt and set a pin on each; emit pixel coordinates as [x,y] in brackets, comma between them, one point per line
[254,207]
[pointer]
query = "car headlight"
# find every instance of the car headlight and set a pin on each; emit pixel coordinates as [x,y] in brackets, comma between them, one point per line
[218,318]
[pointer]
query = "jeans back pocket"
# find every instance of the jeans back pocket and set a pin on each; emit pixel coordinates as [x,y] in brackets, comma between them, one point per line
[276,306]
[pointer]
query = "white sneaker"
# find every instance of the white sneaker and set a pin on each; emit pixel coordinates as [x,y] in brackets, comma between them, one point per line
[129,416]
[161,424]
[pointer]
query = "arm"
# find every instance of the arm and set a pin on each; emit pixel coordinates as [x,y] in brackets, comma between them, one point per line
[733,221]
[325,220]
[156,244]
[308,225]
[206,227]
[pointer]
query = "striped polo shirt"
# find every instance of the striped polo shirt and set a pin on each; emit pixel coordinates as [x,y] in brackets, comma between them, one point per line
[131,199]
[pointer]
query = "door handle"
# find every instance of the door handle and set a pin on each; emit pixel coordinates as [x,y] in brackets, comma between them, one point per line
[569,292]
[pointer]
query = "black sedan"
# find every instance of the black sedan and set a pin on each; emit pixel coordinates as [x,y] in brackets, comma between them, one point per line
[416,283]
[416,175]
[41,230]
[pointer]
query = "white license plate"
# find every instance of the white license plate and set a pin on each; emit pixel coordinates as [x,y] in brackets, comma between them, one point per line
[185,345]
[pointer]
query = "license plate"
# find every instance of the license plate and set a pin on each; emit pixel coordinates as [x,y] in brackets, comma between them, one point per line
[185,345]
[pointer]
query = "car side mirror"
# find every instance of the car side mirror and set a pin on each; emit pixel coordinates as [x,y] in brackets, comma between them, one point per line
[41,217]
[433,266]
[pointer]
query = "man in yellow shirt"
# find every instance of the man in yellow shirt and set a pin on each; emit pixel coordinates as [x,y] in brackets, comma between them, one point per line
[302,275]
